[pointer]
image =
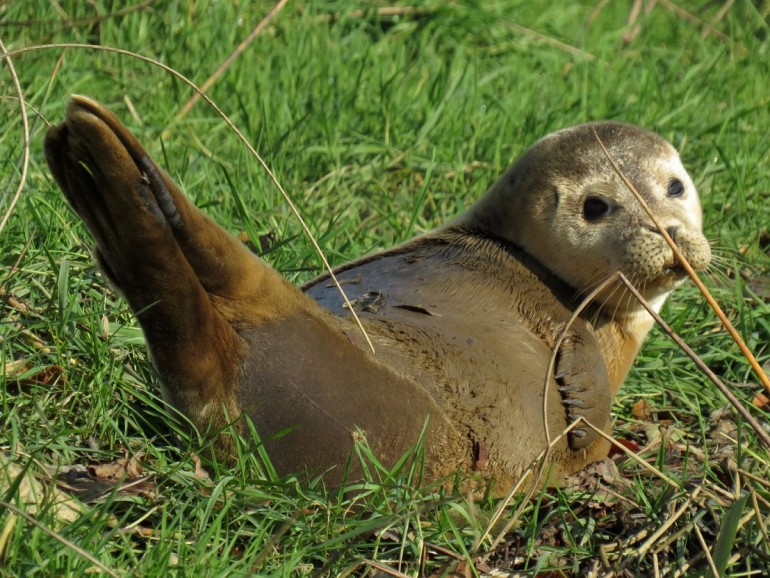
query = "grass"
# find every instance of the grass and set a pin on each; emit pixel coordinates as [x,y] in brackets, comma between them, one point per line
[380,127]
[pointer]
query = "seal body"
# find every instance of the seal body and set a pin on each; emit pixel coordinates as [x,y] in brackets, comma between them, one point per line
[463,320]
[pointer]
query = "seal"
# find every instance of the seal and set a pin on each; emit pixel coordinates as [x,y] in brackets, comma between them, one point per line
[463,319]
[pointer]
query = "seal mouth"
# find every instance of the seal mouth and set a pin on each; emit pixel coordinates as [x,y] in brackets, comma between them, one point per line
[673,276]
[676,270]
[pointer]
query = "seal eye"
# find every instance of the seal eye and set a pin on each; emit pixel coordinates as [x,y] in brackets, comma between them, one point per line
[595,208]
[675,188]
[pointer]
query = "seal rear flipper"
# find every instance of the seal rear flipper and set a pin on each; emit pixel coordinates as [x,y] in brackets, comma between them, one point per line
[193,346]
[243,284]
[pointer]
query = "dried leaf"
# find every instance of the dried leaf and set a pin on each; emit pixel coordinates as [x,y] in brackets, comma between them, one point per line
[626,443]
[200,471]
[124,467]
[15,369]
[32,493]
[642,410]
[761,401]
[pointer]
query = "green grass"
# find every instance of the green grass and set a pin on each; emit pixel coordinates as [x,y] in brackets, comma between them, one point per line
[380,128]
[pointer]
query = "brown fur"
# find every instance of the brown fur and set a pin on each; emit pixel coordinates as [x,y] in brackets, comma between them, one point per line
[463,320]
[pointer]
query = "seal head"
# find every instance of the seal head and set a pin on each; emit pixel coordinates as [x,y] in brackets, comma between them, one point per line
[563,203]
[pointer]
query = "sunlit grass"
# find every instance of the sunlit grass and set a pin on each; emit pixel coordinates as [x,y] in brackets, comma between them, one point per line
[380,128]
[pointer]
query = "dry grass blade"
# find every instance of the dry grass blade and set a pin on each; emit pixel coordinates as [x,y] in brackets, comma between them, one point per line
[691,273]
[79,21]
[15,267]
[755,478]
[633,16]
[230,59]
[25,128]
[706,552]
[231,125]
[707,28]
[657,534]
[539,464]
[634,456]
[380,11]
[532,474]
[548,40]
[385,569]
[29,106]
[61,539]
[721,14]
[758,513]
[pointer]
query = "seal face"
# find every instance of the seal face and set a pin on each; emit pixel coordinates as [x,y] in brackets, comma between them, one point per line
[464,319]
[564,204]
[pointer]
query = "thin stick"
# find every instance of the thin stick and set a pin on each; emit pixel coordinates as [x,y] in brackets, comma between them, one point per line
[230,59]
[691,272]
[25,128]
[760,431]
[237,132]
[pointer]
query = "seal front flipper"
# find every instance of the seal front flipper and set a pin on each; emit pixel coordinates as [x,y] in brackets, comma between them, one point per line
[584,386]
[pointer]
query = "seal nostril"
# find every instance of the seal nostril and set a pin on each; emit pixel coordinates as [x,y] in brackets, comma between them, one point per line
[672,232]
